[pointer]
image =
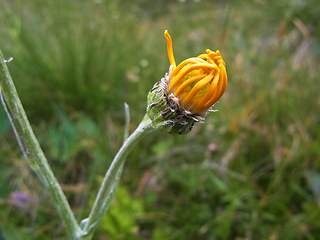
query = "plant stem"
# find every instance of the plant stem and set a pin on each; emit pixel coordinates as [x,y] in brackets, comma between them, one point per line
[111,180]
[32,150]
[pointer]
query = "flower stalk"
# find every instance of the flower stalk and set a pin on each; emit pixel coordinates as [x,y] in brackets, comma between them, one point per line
[111,180]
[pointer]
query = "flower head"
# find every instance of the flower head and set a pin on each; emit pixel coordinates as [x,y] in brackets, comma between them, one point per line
[186,93]
[197,82]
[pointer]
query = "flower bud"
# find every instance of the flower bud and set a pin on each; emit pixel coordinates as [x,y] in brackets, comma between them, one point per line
[187,92]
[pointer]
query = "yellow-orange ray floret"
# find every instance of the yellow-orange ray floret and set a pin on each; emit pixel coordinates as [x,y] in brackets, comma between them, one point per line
[187,83]
[184,63]
[199,106]
[196,88]
[169,49]
[222,85]
[184,71]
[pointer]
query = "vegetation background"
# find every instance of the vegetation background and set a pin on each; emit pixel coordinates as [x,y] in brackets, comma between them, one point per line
[252,171]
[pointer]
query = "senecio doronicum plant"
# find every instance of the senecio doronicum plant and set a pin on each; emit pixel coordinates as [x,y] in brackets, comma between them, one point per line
[182,97]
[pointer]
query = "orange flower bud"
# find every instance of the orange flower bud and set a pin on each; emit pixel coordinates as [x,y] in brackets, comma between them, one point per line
[186,93]
[197,83]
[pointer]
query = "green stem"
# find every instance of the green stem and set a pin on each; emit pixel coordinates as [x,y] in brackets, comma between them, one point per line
[32,150]
[111,180]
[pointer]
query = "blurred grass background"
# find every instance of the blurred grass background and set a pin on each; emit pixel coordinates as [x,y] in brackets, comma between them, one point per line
[252,171]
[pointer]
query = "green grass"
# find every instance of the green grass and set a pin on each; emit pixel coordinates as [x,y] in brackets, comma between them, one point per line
[252,171]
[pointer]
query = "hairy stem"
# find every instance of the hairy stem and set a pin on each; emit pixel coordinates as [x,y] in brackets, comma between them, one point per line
[111,180]
[32,150]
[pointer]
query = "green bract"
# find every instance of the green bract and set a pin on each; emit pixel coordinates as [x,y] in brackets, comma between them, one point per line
[164,114]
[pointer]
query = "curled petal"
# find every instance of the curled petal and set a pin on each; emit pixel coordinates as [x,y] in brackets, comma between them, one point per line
[196,83]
